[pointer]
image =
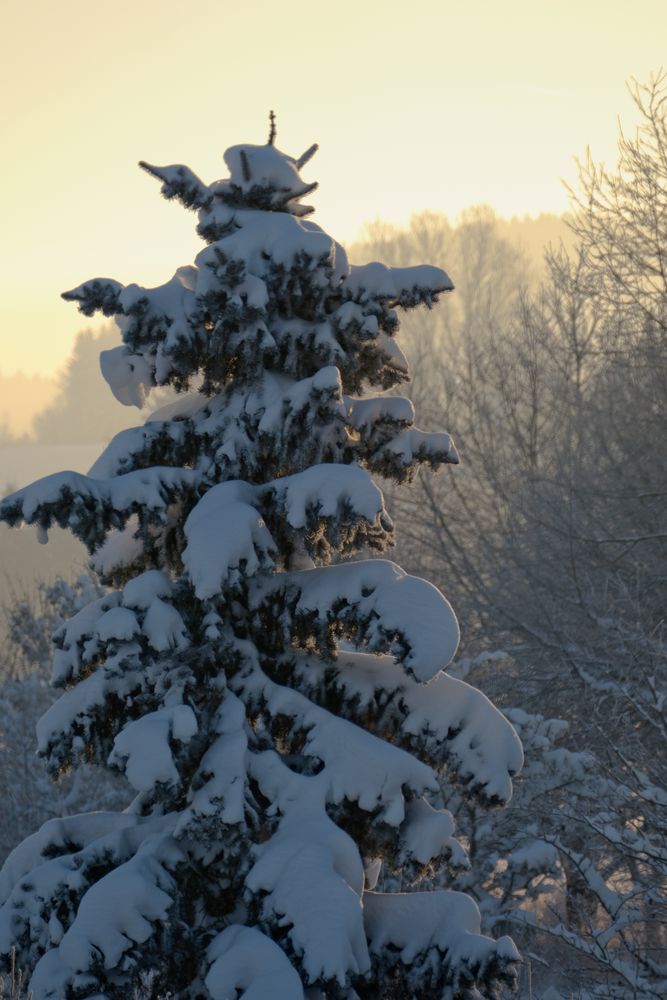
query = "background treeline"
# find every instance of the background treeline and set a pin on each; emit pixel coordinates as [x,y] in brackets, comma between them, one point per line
[549,539]
[75,407]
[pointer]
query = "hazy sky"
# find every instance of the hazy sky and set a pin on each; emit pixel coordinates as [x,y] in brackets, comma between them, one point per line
[425,104]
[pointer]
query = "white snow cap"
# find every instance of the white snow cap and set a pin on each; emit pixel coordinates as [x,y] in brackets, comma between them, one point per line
[376,280]
[245,959]
[143,747]
[267,166]
[128,375]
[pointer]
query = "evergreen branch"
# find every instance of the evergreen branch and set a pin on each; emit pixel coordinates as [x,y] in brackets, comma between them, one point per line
[308,155]
[180,182]
[100,295]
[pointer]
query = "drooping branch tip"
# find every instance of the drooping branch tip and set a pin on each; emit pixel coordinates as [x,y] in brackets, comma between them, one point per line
[308,155]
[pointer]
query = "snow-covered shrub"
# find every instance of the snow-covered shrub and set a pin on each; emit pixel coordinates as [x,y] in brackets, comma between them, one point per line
[282,713]
[27,795]
[31,620]
[12,986]
[581,868]
[575,866]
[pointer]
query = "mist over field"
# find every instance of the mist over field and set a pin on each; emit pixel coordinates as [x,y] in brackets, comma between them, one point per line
[22,397]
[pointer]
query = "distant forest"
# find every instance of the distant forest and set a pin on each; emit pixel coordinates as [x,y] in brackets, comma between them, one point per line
[21,398]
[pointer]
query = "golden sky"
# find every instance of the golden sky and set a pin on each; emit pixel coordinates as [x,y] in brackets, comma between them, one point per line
[426,104]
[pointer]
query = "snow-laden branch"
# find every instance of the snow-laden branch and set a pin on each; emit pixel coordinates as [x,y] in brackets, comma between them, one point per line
[377,603]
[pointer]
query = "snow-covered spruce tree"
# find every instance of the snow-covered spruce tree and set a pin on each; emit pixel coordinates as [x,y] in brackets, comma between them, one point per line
[283,714]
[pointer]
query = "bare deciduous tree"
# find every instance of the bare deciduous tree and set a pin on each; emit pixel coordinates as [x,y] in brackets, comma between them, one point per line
[552,536]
